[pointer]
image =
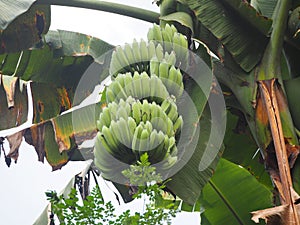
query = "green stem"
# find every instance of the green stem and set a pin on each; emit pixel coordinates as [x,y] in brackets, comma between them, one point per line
[125,10]
[271,60]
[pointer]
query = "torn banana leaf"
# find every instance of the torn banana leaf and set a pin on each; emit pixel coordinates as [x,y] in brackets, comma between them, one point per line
[227,20]
[22,24]
[13,102]
[58,140]
[55,71]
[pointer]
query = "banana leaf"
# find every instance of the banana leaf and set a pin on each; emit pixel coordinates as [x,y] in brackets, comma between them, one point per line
[228,196]
[241,148]
[59,139]
[22,24]
[227,21]
[264,7]
[55,71]
[200,152]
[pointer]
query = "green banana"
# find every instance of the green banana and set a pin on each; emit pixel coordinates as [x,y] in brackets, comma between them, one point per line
[159,52]
[137,53]
[122,58]
[178,124]
[126,134]
[170,129]
[138,86]
[131,126]
[151,50]
[135,139]
[115,65]
[144,54]
[156,34]
[143,142]
[170,58]
[118,138]
[113,145]
[129,54]
[121,113]
[136,113]
[154,66]
[167,35]
[172,113]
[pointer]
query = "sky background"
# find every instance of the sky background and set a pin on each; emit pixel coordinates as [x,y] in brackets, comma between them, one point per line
[23,185]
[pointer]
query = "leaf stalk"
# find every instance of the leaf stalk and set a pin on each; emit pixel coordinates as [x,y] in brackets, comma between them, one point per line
[125,10]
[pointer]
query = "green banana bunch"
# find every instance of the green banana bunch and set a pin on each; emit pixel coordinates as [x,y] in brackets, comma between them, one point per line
[128,129]
[163,117]
[133,58]
[141,114]
[139,86]
[171,40]
[167,72]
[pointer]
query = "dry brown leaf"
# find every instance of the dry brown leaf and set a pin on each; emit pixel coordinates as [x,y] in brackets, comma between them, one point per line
[279,215]
[269,215]
[14,141]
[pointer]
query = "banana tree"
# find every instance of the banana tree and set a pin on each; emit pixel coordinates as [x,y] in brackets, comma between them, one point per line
[251,48]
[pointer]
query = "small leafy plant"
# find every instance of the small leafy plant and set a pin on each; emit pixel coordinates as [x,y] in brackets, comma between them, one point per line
[93,209]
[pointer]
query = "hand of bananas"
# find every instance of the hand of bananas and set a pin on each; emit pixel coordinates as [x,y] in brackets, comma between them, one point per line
[141,115]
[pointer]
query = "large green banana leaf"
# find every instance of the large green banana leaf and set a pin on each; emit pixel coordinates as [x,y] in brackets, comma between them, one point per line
[188,182]
[230,196]
[20,30]
[206,143]
[238,26]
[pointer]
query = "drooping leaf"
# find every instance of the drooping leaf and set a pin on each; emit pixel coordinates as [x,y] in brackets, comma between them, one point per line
[77,44]
[181,17]
[227,20]
[59,138]
[21,29]
[14,103]
[228,196]
[205,146]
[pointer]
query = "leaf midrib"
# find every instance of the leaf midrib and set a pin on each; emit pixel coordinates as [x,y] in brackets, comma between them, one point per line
[226,202]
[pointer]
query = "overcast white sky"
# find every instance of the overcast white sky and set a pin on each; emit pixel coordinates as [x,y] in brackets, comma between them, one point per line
[23,185]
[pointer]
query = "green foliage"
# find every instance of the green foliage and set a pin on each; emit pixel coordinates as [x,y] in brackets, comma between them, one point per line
[70,211]
[93,209]
[142,173]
